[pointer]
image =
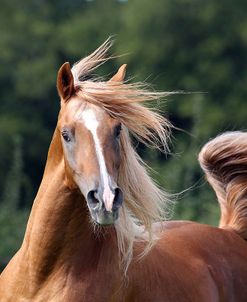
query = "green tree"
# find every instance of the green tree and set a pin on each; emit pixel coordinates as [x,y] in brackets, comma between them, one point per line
[12,218]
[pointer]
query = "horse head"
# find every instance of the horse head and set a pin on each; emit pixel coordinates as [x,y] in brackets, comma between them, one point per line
[91,147]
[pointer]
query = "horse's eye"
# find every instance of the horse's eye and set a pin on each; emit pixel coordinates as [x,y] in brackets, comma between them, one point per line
[118,130]
[66,136]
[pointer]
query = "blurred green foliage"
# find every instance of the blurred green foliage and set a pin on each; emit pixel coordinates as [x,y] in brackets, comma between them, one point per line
[187,45]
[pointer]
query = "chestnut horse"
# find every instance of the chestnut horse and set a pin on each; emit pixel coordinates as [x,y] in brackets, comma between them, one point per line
[91,234]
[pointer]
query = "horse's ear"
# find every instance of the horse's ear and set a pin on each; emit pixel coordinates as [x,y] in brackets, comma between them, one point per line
[65,82]
[119,76]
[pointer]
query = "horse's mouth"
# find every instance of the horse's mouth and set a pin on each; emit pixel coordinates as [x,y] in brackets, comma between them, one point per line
[104,218]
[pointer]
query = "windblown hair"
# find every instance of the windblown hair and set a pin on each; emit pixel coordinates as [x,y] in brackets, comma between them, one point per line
[224,161]
[144,202]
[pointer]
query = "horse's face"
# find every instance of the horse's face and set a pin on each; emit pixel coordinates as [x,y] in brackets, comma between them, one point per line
[91,147]
[90,139]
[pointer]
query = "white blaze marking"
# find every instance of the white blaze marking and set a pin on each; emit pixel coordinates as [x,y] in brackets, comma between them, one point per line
[91,123]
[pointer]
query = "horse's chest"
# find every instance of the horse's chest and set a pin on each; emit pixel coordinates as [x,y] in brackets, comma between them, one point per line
[92,286]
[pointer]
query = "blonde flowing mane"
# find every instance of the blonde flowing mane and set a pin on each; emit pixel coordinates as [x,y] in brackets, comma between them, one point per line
[144,202]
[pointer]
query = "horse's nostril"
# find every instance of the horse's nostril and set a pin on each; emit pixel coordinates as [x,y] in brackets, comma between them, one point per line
[118,199]
[92,199]
[95,200]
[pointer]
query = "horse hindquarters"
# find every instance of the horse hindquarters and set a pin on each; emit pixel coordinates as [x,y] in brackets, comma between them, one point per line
[191,263]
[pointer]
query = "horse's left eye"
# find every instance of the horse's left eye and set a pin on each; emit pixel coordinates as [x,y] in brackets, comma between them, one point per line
[118,130]
[66,136]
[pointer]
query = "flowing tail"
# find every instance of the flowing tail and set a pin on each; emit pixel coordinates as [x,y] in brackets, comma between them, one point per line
[224,161]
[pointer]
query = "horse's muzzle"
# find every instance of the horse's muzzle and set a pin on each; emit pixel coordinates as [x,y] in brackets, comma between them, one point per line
[97,208]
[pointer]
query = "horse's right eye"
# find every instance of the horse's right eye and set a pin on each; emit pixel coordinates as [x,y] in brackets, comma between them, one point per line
[66,136]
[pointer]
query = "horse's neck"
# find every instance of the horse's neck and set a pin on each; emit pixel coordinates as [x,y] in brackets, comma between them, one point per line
[58,229]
